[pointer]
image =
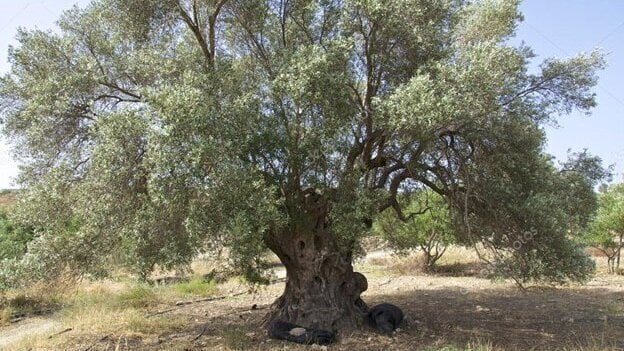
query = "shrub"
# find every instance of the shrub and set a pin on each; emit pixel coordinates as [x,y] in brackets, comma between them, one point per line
[14,238]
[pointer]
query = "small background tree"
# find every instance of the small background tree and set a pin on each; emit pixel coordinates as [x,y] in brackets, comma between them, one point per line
[428,227]
[606,232]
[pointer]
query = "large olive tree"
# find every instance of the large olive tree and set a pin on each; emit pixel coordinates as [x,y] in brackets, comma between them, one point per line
[150,130]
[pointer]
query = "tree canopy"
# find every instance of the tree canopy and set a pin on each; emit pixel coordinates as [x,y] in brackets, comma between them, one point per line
[151,130]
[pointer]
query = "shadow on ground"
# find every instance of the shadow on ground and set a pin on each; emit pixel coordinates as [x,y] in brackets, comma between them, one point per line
[473,311]
[505,319]
[469,269]
[514,320]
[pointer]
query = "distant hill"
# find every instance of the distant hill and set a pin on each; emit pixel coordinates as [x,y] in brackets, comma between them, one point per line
[8,197]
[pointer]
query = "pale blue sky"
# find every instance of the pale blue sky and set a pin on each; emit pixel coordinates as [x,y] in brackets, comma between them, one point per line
[563,28]
[28,14]
[551,28]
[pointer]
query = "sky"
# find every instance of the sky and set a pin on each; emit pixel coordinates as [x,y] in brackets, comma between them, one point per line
[563,28]
[552,28]
[27,14]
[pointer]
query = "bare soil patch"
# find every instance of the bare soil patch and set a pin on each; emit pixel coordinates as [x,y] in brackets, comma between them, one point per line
[18,331]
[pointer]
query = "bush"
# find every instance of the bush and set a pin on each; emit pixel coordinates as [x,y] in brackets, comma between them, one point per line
[606,231]
[14,238]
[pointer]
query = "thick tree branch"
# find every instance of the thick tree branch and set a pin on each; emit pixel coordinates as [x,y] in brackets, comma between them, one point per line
[120,89]
[192,20]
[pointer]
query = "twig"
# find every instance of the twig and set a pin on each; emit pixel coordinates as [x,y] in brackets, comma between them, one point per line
[386,283]
[203,331]
[182,303]
[59,333]
[253,308]
[42,312]
[18,315]
[160,312]
[98,340]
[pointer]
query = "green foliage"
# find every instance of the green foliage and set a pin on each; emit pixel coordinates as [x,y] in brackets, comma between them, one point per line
[188,127]
[606,231]
[429,229]
[539,215]
[14,241]
[14,238]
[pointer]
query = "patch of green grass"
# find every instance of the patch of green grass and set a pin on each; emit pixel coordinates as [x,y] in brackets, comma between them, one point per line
[195,286]
[83,299]
[138,296]
[132,296]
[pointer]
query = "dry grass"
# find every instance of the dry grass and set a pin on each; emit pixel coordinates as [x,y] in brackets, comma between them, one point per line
[398,264]
[444,313]
[7,199]
[237,339]
[98,309]
[456,262]
[40,299]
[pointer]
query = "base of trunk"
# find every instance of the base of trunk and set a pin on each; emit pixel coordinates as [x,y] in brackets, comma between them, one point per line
[322,290]
[329,303]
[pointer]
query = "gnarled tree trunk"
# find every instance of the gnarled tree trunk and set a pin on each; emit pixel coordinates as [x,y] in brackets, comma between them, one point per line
[322,290]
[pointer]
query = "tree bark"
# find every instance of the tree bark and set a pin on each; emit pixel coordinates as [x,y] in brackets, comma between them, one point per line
[611,264]
[619,252]
[322,290]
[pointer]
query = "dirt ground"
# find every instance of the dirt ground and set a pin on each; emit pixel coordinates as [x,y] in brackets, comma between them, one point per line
[442,312]
[21,330]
